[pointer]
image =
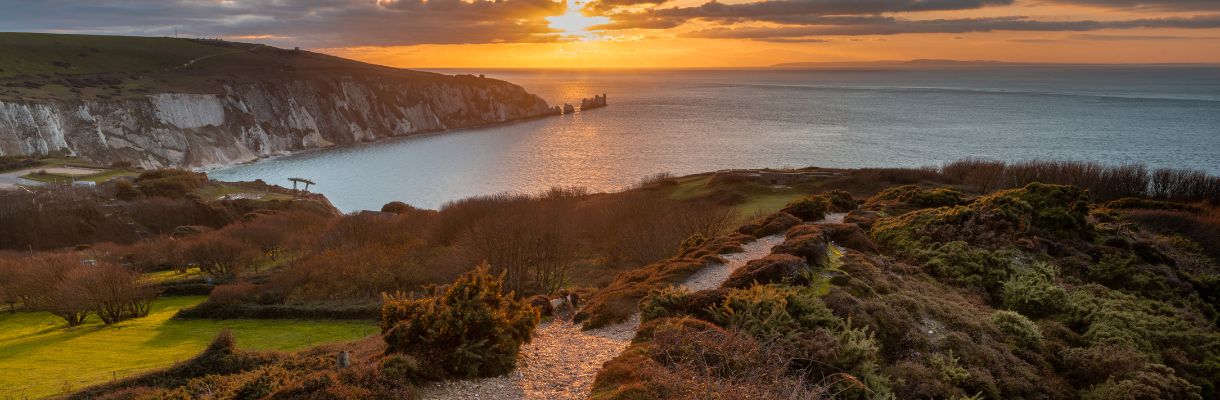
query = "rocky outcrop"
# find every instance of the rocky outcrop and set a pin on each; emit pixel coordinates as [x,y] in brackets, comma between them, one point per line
[597,101]
[245,119]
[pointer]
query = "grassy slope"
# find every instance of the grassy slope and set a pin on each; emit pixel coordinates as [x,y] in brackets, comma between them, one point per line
[57,66]
[37,353]
[760,199]
[39,53]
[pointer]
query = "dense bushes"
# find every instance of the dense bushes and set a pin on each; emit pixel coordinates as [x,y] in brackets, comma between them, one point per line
[471,328]
[63,285]
[1103,182]
[1034,292]
[172,183]
[815,207]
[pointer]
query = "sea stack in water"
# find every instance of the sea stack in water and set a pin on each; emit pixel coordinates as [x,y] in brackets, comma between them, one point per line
[568,109]
[597,101]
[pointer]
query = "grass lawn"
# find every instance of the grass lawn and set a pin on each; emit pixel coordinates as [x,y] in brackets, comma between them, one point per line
[760,199]
[39,357]
[95,178]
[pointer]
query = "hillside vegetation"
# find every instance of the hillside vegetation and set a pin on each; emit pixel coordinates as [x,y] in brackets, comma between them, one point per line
[55,66]
[1032,280]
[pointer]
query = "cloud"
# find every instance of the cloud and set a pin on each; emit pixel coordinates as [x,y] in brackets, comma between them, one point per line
[1151,5]
[784,11]
[311,23]
[895,26]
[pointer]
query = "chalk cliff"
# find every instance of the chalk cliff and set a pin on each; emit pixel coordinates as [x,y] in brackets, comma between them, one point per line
[208,115]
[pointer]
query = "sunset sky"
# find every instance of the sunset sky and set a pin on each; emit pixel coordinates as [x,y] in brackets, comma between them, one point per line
[663,33]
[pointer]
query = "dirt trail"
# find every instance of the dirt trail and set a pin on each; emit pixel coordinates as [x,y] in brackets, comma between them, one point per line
[561,361]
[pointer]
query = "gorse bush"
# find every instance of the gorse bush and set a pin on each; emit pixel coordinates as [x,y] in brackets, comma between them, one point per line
[815,207]
[920,197]
[1018,327]
[471,328]
[1033,291]
[772,311]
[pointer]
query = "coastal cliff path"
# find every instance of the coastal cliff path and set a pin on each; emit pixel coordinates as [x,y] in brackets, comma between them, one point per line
[562,360]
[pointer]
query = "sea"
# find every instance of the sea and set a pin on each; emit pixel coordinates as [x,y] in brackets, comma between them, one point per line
[691,121]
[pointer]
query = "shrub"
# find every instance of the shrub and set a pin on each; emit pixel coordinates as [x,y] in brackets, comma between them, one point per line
[1033,292]
[219,256]
[110,291]
[920,197]
[171,183]
[1018,327]
[402,368]
[810,208]
[664,303]
[772,311]
[397,207]
[1155,382]
[967,265]
[472,328]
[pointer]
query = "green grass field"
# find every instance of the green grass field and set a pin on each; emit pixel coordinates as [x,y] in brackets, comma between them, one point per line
[760,199]
[42,53]
[66,179]
[39,357]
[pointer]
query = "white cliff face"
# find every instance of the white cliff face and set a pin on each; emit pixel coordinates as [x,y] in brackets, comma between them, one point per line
[188,111]
[246,121]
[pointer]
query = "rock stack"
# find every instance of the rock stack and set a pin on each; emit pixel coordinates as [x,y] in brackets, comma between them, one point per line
[597,101]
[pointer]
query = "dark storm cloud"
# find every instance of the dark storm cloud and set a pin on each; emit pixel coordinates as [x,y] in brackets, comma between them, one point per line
[895,26]
[313,23]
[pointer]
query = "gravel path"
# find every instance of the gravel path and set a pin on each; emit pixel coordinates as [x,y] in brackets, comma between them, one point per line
[562,360]
[714,275]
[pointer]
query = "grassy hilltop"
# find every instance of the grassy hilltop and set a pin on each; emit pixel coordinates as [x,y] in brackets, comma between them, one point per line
[59,66]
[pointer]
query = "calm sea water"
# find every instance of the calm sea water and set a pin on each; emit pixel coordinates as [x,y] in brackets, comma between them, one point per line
[693,121]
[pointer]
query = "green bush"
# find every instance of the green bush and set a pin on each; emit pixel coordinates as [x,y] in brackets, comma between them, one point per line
[811,208]
[773,311]
[995,221]
[920,197]
[1033,292]
[663,303]
[1156,382]
[967,265]
[1016,326]
[402,368]
[471,328]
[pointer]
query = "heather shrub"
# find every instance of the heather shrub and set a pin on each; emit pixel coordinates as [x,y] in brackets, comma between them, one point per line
[1018,327]
[471,328]
[1033,291]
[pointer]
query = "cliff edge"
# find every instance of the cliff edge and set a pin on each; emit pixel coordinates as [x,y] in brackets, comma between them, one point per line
[160,102]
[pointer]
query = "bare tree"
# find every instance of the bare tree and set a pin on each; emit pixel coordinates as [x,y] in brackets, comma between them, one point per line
[111,291]
[218,256]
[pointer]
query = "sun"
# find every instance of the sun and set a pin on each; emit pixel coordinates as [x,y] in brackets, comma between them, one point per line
[573,23]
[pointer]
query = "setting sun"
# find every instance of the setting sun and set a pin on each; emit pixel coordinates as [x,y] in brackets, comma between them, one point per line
[574,23]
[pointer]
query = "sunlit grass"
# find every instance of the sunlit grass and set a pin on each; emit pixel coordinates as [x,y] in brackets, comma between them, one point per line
[40,357]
